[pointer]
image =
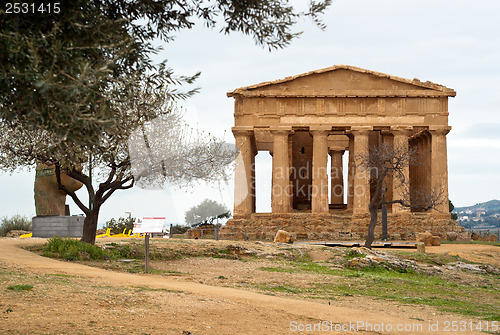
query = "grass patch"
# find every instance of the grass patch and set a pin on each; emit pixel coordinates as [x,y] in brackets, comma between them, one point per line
[430,258]
[410,287]
[280,288]
[61,275]
[20,287]
[150,289]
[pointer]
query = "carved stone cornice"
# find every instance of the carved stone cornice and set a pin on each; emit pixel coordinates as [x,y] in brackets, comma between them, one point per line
[439,130]
[343,94]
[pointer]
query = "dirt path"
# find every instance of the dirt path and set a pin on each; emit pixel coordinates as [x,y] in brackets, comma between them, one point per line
[480,253]
[170,306]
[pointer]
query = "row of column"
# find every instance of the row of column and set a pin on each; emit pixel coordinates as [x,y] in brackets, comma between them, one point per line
[358,193]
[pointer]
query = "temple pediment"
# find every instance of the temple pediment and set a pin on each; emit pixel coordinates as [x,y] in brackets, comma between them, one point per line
[344,81]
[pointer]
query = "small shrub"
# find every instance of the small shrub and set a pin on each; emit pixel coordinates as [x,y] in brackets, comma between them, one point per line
[354,254]
[16,222]
[179,229]
[72,249]
[117,226]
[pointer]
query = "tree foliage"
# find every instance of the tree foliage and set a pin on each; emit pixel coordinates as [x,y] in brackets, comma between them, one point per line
[118,225]
[70,72]
[206,213]
[454,216]
[15,222]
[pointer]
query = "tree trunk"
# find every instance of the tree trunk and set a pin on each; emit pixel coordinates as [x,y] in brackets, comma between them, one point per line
[90,226]
[371,228]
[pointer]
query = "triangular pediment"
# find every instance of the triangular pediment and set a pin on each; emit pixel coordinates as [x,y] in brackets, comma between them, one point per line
[344,80]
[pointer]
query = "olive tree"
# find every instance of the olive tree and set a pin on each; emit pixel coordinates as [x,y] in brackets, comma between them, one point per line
[67,70]
[171,145]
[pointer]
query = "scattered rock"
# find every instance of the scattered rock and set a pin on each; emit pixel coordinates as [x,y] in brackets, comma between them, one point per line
[239,250]
[432,269]
[475,268]
[284,237]
[494,238]
[451,236]
[16,233]
[388,261]
[485,238]
[436,241]
[475,236]
[425,237]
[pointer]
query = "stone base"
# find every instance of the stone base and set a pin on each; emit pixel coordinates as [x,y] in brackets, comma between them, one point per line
[64,226]
[337,227]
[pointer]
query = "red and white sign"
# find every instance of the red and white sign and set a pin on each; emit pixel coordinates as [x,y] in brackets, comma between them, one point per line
[148,225]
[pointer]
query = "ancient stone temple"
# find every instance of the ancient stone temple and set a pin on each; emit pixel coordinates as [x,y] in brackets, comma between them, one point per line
[335,114]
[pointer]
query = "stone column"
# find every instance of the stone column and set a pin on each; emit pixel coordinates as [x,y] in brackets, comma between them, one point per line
[319,201]
[439,166]
[362,175]
[401,187]
[350,173]
[337,177]
[244,176]
[388,140]
[281,190]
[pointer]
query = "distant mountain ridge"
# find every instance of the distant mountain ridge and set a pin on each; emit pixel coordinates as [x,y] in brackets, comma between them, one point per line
[483,215]
[492,205]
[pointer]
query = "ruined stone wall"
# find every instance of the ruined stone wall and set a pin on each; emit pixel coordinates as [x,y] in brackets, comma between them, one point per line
[337,227]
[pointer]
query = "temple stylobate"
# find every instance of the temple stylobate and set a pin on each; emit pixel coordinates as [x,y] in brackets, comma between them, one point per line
[337,114]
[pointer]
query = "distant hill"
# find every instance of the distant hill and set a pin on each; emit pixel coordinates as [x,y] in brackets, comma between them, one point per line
[482,215]
[492,205]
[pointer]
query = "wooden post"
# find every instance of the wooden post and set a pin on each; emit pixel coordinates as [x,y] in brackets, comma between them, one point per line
[147,252]
[171,233]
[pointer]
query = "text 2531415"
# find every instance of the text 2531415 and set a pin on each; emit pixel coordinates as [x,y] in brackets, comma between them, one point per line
[32,8]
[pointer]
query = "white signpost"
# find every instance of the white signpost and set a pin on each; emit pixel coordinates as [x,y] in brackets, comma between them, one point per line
[146,226]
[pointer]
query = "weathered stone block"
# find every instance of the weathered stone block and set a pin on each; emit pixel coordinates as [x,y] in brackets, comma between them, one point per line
[436,241]
[451,236]
[425,237]
[284,237]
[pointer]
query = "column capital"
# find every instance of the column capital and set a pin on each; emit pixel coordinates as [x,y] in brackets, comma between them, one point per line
[361,130]
[320,130]
[284,130]
[242,130]
[336,150]
[401,130]
[439,130]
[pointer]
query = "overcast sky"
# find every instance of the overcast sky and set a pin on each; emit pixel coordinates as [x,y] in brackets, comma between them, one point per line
[453,43]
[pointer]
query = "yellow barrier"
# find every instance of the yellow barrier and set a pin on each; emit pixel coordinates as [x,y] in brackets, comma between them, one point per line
[26,235]
[124,234]
[107,234]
